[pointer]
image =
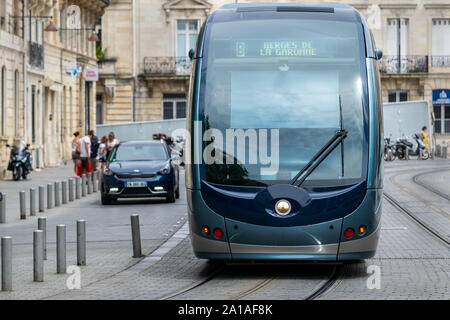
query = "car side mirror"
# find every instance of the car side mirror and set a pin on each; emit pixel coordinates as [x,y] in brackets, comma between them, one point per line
[378,53]
[191,54]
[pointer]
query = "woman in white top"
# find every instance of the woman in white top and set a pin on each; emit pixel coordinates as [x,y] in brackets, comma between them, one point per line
[112,141]
[101,156]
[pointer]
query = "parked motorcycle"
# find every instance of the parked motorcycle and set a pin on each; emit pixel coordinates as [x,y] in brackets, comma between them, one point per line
[404,145]
[389,150]
[20,160]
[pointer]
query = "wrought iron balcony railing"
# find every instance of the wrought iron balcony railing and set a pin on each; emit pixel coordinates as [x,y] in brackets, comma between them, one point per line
[36,58]
[167,66]
[440,61]
[404,64]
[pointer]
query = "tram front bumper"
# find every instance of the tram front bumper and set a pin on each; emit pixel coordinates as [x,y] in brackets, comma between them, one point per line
[322,241]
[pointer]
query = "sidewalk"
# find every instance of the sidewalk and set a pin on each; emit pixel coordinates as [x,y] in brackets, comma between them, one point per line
[12,188]
[108,233]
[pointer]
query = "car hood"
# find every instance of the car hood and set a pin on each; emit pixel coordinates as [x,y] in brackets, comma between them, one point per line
[131,166]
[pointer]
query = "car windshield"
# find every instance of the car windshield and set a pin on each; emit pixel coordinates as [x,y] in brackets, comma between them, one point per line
[299,78]
[139,152]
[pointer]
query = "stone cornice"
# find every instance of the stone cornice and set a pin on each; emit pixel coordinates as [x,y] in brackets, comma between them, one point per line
[398,6]
[436,5]
[177,5]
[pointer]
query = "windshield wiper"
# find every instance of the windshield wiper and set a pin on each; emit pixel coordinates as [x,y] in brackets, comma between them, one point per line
[323,153]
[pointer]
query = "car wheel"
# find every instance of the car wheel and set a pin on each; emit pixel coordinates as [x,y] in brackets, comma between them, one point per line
[105,200]
[171,197]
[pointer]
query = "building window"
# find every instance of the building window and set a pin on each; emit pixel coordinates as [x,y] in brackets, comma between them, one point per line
[397,44]
[174,106]
[398,96]
[3,101]
[440,43]
[441,119]
[187,32]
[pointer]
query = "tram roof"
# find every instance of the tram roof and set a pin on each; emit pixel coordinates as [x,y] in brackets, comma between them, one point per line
[339,10]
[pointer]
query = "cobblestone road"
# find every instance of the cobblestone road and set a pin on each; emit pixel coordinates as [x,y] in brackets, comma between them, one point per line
[413,263]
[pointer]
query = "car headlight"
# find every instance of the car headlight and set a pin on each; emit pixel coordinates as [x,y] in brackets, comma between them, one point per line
[165,169]
[108,172]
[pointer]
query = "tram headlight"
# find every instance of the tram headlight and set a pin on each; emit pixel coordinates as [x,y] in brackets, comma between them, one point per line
[283,207]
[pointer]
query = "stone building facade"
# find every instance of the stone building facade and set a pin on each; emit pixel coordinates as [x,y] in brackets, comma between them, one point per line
[145,75]
[46,91]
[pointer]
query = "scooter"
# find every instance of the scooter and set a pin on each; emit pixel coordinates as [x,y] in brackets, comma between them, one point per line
[404,148]
[389,150]
[420,150]
[20,160]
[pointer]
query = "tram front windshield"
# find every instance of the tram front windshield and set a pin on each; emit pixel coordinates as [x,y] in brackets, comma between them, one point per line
[294,81]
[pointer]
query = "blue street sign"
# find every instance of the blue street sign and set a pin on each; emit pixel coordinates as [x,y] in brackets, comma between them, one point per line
[441,96]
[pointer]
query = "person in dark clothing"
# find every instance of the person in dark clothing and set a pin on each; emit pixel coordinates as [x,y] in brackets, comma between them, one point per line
[94,150]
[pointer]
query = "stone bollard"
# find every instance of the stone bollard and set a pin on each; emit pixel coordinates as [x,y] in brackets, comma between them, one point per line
[64,191]
[2,208]
[89,183]
[50,203]
[99,182]
[6,264]
[136,236]
[32,202]
[42,225]
[23,209]
[94,181]
[41,199]
[77,188]
[57,193]
[61,265]
[38,256]
[83,185]
[71,189]
[81,242]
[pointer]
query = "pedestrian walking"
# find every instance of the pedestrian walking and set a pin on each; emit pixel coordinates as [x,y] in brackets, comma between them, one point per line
[94,150]
[102,152]
[76,151]
[111,143]
[424,135]
[85,152]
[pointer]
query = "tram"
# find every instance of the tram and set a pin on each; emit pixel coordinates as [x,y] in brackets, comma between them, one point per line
[285,155]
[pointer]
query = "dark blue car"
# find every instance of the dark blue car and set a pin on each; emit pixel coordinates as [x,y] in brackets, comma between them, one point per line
[138,169]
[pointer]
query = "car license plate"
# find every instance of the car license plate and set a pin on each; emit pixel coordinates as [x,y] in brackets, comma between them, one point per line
[136,184]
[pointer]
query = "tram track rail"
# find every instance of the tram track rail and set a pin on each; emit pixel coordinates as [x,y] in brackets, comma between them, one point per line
[399,206]
[428,187]
[420,222]
[323,288]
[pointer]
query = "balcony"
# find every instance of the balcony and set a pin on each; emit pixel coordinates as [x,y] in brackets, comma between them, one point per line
[167,66]
[36,55]
[440,61]
[404,64]
[107,67]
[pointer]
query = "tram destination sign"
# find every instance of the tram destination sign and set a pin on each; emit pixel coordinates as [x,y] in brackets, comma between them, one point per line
[307,48]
